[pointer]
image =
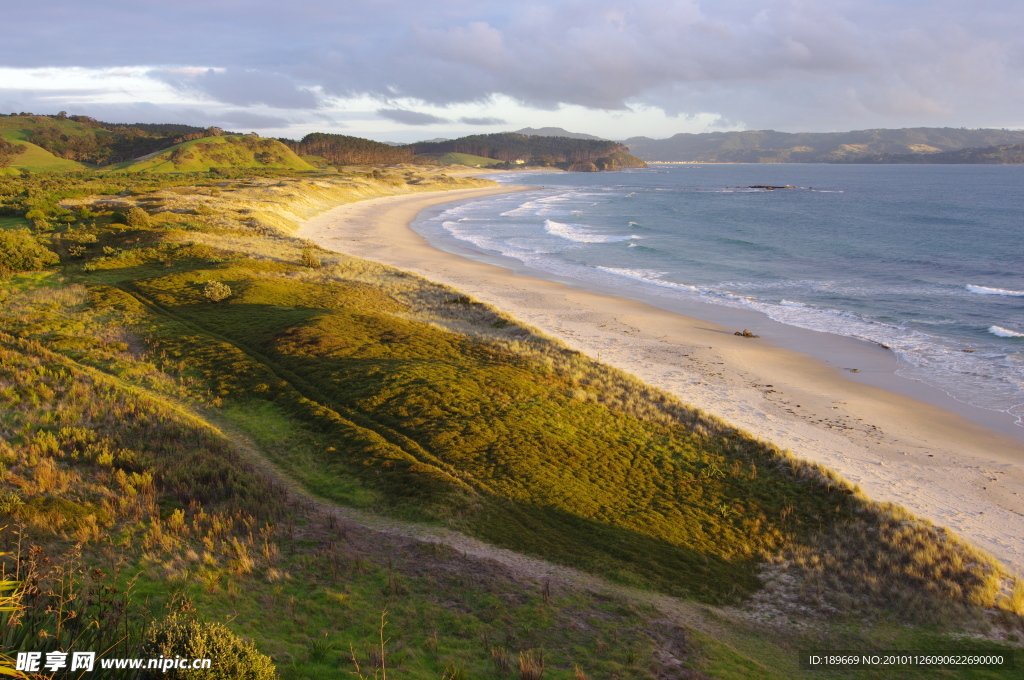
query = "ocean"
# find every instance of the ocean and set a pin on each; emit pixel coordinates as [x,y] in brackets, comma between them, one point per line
[927,260]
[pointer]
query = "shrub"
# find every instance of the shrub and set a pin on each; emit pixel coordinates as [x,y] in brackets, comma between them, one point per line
[310,259]
[215,291]
[138,218]
[233,658]
[21,252]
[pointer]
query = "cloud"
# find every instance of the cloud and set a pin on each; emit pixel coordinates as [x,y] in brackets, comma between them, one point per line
[468,120]
[249,119]
[410,117]
[241,87]
[780,63]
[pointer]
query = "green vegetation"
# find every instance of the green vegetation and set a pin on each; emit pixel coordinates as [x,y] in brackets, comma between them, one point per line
[452,158]
[1004,154]
[20,252]
[868,146]
[345,150]
[511,148]
[237,659]
[78,140]
[187,399]
[207,153]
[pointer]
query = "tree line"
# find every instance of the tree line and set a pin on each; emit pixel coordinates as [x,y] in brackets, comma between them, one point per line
[346,150]
[512,146]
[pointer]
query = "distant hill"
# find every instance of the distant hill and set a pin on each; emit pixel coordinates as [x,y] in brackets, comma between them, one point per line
[555,132]
[346,150]
[1004,154]
[228,151]
[513,148]
[768,146]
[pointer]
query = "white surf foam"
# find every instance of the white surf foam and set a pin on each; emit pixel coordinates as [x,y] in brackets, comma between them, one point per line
[1004,332]
[985,290]
[580,233]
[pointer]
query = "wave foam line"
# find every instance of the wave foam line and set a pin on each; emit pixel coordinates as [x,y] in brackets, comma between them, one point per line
[579,234]
[1004,332]
[985,290]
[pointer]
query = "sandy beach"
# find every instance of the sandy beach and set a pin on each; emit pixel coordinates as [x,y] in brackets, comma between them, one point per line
[932,461]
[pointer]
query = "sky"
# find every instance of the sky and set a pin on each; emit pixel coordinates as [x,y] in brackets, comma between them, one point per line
[402,71]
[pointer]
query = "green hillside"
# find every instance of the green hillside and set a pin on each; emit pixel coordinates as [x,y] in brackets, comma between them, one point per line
[465,159]
[18,130]
[236,152]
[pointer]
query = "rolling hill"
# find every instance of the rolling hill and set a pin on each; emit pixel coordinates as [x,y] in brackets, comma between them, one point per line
[207,153]
[512,148]
[17,130]
[555,132]
[769,146]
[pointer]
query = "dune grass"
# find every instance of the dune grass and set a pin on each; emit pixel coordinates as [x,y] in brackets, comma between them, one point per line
[417,400]
[115,486]
[379,390]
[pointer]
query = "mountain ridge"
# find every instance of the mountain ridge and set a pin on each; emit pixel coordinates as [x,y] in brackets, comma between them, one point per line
[770,146]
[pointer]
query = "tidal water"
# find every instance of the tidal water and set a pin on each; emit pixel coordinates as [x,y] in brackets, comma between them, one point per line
[927,260]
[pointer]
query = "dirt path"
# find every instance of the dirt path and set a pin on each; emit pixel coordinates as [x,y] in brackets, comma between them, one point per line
[720,624]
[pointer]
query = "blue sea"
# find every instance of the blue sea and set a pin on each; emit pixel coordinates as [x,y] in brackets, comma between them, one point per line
[927,260]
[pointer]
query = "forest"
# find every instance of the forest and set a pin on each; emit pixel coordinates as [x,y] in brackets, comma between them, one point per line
[512,146]
[346,150]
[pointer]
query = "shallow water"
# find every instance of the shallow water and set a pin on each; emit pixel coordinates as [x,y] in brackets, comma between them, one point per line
[926,260]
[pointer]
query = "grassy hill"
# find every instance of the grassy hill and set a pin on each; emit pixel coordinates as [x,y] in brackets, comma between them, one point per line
[18,129]
[175,400]
[452,158]
[769,146]
[235,152]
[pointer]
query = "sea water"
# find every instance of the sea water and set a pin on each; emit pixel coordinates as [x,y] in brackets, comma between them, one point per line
[927,260]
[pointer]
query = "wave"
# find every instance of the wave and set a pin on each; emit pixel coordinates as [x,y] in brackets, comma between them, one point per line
[985,290]
[1004,332]
[579,233]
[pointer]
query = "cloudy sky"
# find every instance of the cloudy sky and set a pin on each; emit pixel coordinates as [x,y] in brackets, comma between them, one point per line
[402,70]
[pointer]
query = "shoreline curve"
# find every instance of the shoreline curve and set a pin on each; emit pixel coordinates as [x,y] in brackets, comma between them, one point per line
[934,462]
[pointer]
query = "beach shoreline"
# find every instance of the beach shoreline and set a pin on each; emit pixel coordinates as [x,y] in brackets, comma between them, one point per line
[936,463]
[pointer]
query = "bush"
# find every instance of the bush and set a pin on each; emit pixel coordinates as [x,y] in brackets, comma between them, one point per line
[215,291]
[233,658]
[310,259]
[138,218]
[21,252]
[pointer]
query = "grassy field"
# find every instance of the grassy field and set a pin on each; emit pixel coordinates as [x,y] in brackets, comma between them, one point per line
[467,159]
[375,389]
[13,223]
